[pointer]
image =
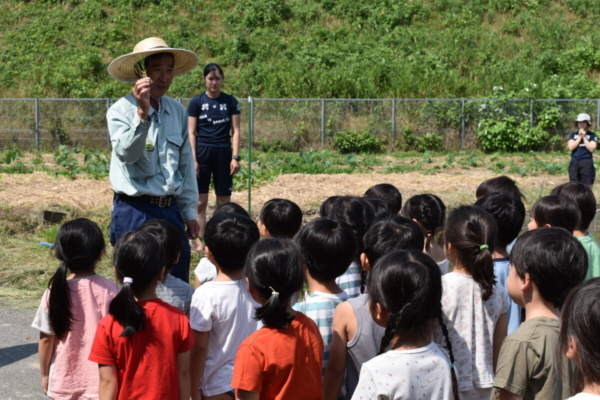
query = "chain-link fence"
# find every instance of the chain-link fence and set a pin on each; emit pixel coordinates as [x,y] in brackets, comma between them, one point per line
[309,123]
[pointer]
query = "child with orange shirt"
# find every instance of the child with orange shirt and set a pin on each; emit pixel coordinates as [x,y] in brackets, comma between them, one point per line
[283,359]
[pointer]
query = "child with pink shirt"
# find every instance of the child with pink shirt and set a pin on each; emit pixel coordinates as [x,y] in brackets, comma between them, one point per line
[75,301]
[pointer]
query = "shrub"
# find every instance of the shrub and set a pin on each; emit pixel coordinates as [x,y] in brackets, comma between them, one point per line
[427,142]
[510,134]
[351,141]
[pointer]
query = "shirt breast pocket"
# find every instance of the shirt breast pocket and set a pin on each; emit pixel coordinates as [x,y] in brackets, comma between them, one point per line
[144,166]
[174,143]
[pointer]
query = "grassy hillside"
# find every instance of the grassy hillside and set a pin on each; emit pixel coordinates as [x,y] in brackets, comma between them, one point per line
[311,48]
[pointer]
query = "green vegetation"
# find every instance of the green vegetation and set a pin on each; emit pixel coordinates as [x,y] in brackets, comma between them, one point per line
[316,48]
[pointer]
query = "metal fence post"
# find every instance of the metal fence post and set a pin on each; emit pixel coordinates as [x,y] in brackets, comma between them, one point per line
[393,122]
[322,122]
[107,132]
[598,115]
[250,141]
[462,124]
[531,113]
[37,124]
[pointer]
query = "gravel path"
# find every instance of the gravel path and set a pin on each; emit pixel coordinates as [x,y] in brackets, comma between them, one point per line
[19,368]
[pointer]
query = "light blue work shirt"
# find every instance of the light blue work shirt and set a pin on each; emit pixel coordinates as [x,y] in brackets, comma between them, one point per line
[153,157]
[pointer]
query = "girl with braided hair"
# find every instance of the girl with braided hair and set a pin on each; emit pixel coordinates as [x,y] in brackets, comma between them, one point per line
[405,291]
[429,211]
[474,304]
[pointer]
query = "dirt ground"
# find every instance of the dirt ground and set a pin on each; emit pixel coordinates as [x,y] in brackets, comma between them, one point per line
[42,191]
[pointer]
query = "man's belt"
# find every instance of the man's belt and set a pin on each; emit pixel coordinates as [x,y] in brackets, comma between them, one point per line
[161,201]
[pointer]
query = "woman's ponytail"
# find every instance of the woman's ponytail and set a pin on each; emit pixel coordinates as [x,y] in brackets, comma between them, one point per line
[79,245]
[138,259]
[59,302]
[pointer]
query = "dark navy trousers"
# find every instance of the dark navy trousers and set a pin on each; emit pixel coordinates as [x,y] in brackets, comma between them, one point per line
[128,216]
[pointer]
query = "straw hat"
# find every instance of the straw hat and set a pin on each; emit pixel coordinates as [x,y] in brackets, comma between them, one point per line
[122,68]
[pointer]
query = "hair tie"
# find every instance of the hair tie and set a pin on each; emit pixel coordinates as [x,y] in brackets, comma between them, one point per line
[127,280]
[274,292]
[484,246]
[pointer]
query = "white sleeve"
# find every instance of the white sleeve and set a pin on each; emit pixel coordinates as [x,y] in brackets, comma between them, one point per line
[201,312]
[366,388]
[205,271]
[41,321]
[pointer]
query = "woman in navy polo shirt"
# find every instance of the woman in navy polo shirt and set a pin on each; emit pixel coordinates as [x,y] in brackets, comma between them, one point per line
[212,116]
[582,144]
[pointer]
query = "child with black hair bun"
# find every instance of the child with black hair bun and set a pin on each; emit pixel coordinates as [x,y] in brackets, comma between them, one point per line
[509,213]
[222,312]
[405,291]
[283,359]
[584,199]
[279,218]
[143,346]
[205,270]
[356,337]
[327,247]
[578,338]
[429,211]
[387,192]
[75,301]
[474,304]
[171,290]
[358,214]
[499,184]
[555,212]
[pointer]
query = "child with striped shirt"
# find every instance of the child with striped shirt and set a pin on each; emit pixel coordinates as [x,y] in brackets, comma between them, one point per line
[327,246]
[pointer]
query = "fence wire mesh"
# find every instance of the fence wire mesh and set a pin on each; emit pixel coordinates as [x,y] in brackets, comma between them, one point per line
[296,124]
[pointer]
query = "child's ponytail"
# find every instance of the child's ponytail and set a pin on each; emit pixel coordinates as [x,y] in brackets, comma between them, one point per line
[471,231]
[138,259]
[450,354]
[274,270]
[79,245]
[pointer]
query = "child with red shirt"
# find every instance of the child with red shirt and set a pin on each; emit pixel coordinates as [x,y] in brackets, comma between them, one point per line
[142,346]
[283,359]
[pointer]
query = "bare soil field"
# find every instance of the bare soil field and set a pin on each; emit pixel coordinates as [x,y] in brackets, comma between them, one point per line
[41,191]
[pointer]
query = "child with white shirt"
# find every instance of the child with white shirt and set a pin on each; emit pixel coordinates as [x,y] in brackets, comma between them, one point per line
[474,304]
[405,291]
[222,311]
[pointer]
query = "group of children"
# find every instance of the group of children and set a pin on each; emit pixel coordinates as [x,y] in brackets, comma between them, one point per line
[356,304]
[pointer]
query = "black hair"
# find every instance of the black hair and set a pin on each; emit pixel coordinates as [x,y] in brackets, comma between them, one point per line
[168,235]
[281,217]
[325,208]
[357,214]
[274,270]
[580,320]
[328,248]
[389,193]
[213,67]
[499,184]
[429,211]
[387,235]
[584,199]
[472,233]
[508,212]
[140,256]
[408,284]
[229,238]
[554,259]
[230,207]
[78,246]
[556,211]
[379,206]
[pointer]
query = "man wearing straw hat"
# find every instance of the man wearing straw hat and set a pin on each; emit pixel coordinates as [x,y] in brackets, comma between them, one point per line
[152,170]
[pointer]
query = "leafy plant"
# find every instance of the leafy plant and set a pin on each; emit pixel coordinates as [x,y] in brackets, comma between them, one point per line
[64,158]
[11,154]
[351,141]
[421,143]
[509,134]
